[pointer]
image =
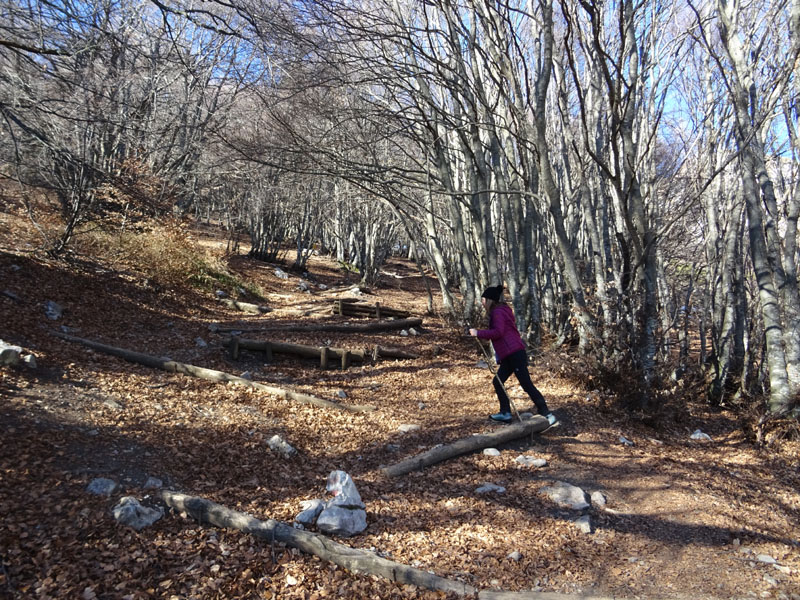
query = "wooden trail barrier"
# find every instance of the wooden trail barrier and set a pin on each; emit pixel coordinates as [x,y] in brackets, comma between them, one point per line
[371,327]
[506,433]
[325,354]
[210,374]
[352,308]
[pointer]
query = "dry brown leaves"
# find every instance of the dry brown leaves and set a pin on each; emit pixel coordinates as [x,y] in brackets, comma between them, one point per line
[680,512]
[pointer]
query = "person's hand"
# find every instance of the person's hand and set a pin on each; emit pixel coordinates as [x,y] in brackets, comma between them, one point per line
[473,332]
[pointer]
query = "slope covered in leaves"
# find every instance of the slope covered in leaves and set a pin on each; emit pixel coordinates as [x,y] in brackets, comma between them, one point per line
[684,518]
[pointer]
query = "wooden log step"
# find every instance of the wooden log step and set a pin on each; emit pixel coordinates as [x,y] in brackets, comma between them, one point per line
[297,349]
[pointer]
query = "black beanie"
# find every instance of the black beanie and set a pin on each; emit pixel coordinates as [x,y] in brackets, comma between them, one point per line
[493,293]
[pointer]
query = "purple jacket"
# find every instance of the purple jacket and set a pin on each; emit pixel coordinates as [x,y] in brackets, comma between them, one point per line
[503,332]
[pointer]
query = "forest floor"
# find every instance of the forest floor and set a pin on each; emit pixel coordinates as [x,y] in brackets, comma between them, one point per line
[684,518]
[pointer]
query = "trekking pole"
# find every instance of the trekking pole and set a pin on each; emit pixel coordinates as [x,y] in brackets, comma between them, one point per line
[502,385]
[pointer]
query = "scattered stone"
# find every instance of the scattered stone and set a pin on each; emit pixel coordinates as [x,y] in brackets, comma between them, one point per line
[356,291]
[482,364]
[129,512]
[530,461]
[413,331]
[404,332]
[153,483]
[625,441]
[699,435]
[11,295]
[783,569]
[771,580]
[584,524]
[200,343]
[566,495]
[322,286]
[515,556]
[280,274]
[213,327]
[598,499]
[491,452]
[303,287]
[341,394]
[101,486]
[766,559]
[29,360]
[112,404]
[422,406]
[344,514]
[9,355]
[247,375]
[278,444]
[490,487]
[392,447]
[406,428]
[221,294]
[655,442]
[311,510]
[53,310]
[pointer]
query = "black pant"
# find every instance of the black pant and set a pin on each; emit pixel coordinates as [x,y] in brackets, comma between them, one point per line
[517,363]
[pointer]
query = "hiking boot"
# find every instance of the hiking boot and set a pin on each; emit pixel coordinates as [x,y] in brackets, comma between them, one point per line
[503,417]
[551,418]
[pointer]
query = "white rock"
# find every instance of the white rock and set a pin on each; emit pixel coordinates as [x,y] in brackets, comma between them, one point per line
[404,333]
[584,523]
[311,510]
[278,444]
[342,521]
[482,364]
[280,274]
[29,360]
[247,375]
[303,286]
[129,512]
[598,499]
[530,461]
[490,487]
[53,310]
[765,558]
[515,556]
[344,491]
[699,435]
[322,286]
[9,355]
[566,495]
[341,394]
[101,486]
[406,428]
[625,441]
[221,294]
[422,406]
[413,331]
[153,483]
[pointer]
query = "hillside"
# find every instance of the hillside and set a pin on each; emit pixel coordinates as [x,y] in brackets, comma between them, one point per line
[684,518]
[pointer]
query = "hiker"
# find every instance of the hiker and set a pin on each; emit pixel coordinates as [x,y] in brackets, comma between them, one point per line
[510,351]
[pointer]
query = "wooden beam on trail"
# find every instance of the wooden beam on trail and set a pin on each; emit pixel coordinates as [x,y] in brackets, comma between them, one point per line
[324,353]
[354,308]
[504,434]
[371,327]
[352,559]
[209,374]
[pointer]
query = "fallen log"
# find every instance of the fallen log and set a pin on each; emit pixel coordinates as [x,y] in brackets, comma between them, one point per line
[352,559]
[209,374]
[463,446]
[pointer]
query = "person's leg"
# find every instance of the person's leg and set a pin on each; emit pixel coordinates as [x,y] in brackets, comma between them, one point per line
[519,363]
[503,373]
